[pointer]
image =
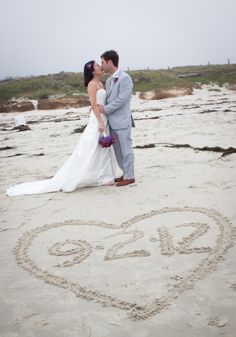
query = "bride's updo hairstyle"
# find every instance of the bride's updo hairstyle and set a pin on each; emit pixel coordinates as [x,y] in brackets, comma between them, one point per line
[88,72]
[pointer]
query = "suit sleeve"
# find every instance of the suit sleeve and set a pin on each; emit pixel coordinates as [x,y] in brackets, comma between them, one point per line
[125,91]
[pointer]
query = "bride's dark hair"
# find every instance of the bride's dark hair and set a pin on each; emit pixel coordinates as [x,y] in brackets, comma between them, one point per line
[88,72]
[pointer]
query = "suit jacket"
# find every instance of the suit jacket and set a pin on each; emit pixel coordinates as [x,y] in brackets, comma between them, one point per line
[118,98]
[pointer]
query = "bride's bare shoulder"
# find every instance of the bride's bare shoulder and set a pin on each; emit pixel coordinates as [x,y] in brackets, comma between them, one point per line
[96,85]
[92,84]
[92,88]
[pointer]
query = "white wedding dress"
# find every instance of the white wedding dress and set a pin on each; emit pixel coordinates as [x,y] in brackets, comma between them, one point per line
[89,165]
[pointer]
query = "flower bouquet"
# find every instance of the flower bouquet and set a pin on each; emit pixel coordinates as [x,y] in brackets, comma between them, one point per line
[106,141]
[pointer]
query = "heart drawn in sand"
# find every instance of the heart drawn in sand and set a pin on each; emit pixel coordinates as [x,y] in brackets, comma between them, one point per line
[140,266]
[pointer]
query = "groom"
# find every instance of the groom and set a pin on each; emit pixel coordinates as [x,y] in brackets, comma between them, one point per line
[119,90]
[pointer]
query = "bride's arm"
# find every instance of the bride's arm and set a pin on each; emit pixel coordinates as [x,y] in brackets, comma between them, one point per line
[92,91]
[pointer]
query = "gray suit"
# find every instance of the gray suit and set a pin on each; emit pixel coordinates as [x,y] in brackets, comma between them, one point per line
[118,111]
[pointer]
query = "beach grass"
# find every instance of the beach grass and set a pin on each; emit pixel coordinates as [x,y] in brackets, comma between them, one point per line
[68,83]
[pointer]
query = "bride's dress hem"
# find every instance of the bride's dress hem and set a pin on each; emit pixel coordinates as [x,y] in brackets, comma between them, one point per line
[89,164]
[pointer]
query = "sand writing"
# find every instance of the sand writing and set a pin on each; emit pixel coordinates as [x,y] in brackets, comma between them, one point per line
[84,248]
[185,243]
[166,241]
[112,252]
[135,311]
[82,252]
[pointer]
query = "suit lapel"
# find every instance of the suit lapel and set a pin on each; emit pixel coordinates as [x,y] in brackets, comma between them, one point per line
[111,84]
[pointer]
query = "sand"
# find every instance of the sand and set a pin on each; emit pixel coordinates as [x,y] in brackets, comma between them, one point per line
[155,258]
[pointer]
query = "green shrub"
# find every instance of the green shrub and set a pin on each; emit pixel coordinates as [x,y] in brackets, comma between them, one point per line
[144,80]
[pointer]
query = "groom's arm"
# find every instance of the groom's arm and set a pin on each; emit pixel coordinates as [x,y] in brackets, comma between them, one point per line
[125,91]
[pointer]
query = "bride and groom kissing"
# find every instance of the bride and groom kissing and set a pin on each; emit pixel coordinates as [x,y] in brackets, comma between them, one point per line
[90,164]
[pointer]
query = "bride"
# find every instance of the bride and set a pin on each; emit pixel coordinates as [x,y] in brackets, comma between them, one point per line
[90,164]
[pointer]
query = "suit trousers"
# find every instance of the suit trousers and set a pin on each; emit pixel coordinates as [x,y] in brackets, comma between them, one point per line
[124,151]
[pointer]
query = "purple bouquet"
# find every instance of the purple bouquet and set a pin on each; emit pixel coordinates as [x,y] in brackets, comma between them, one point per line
[106,141]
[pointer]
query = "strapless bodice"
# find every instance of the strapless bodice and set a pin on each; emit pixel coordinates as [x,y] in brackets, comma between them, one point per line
[101,96]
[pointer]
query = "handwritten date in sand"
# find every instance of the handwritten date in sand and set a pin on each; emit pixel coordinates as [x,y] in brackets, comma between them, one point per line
[82,249]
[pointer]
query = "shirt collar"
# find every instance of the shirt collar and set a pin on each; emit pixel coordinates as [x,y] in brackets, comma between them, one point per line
[116,73]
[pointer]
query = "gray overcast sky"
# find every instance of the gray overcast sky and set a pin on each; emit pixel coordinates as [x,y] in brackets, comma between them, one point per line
[49,36]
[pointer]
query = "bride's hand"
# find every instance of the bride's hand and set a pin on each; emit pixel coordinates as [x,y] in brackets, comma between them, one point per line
[101,127]
[100,107]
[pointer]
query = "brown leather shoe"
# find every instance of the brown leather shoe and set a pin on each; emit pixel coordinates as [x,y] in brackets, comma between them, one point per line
[125,182]
[117,180]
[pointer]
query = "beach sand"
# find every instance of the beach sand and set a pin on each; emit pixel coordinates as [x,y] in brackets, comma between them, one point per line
[155,258]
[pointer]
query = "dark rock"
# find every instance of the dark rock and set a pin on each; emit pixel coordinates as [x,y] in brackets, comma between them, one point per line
[228,151]
[144,118]
[38,154]
[7,148]
[179,146]
[147,146]
[16,155]
[207,111]
[225,152]
[22,128]
[80,129]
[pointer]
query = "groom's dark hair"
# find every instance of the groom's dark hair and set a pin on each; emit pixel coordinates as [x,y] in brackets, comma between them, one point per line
[111,55]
